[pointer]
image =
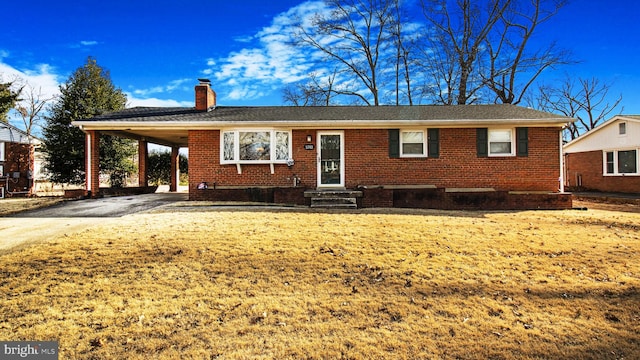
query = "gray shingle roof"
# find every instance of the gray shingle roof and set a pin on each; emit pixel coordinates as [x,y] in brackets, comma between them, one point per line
[330,113]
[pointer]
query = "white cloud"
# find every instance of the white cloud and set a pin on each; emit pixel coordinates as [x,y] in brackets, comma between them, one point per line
[244,39]
[42,77]
[144,97]
[251,73]
[133,101]
[88,42]
[174,85]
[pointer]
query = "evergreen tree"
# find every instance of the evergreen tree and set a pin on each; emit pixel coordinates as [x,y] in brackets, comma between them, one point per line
[159,167]
[8,99]
[87,93]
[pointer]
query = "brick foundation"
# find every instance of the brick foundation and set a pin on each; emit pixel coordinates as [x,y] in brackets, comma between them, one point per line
[401,198]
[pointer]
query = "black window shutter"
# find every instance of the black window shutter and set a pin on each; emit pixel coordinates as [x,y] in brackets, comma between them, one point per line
[433,143]
[482,142]
[522,141]
[394,143]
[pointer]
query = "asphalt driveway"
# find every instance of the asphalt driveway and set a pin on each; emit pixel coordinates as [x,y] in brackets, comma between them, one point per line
[116,206]
[45,224]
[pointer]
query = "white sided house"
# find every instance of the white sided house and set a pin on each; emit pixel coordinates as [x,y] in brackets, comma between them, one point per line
[606,158]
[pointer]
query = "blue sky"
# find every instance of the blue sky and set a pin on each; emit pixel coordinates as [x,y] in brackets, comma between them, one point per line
[156,50]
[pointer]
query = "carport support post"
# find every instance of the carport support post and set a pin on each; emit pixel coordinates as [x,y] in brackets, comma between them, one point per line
[175,169]
[143,161]
[92,163]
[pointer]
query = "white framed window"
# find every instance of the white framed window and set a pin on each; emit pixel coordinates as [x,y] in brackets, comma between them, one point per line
[501,142]
[412,143]
[1,151]
[255,146]
[621,162]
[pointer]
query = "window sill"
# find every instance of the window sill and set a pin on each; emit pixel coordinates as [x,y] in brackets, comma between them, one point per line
[239,165]
[622,175]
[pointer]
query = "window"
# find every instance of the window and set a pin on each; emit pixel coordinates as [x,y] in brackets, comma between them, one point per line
[627,162]
[500,142]
[1,151]
[622,128]
[412,143]
[255,146]
[610,163]
[621,162]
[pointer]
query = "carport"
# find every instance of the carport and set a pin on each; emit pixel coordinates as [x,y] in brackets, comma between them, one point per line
[161,126]
[172,138]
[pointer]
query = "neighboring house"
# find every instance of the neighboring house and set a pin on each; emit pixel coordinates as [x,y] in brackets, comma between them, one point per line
[451,157]
[17,160]
[606,158]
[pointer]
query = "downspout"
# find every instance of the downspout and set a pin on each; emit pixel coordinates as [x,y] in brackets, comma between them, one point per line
[561,178]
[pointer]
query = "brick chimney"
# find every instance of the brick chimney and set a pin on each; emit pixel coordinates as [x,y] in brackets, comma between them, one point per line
[205,96]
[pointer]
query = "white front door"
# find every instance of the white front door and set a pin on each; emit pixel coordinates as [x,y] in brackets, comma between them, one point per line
[330,159]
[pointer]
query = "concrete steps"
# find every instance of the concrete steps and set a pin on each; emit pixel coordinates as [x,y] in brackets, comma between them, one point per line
[333,199]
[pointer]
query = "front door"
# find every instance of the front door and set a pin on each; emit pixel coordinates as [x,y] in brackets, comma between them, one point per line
[330,159]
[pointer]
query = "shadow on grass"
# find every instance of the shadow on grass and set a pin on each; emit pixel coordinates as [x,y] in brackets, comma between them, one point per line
[293,209]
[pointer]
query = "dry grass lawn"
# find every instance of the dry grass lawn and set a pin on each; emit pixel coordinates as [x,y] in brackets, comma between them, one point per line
[202,282]
[10,206]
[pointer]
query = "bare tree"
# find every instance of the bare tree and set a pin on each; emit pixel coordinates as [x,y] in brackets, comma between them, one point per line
[403,45]
[481,51]
[512,69]
[30,107]
[315,92]
[454,46]
[583,99]
[355,36]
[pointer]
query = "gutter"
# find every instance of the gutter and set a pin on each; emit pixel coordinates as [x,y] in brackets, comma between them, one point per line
[297,124]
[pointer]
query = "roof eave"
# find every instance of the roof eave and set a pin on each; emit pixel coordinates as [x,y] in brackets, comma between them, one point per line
[297,124]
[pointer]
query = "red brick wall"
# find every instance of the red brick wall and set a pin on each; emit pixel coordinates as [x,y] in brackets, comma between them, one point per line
[17,161]
[458,165]
[204,165]
[588,165]
[367,163]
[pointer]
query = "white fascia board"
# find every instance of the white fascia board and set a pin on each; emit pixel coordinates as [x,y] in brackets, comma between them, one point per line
[327,124]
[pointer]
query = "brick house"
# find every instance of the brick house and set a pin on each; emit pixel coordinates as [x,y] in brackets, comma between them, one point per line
[606,158]
[17,161]
[451,157]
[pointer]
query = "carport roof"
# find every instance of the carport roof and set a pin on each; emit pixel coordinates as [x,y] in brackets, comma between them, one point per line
[169,126]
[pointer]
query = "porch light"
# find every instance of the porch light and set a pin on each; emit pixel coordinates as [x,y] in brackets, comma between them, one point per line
[309,138]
